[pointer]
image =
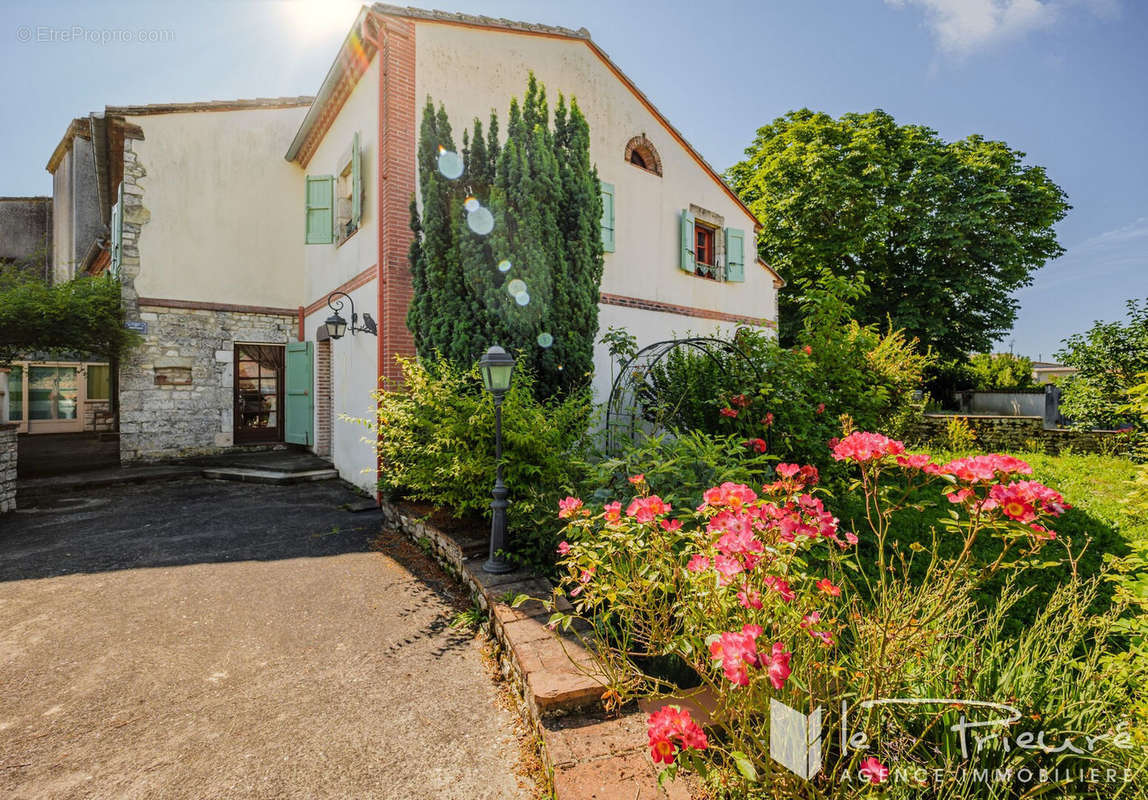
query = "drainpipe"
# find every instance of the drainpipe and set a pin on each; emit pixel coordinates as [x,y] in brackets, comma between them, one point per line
[376,38]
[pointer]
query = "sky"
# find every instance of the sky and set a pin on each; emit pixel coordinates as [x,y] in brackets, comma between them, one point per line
[1062,80]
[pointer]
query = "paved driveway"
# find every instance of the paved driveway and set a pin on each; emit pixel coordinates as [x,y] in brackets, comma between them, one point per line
[207,639]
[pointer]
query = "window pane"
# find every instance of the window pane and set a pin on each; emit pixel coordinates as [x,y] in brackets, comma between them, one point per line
[52,392]
[16,394]
[99,382]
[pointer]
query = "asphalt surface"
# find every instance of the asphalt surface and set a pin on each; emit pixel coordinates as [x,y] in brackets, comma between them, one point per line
[204,639]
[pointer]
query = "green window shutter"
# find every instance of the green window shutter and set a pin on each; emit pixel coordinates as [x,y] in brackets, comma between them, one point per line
[356,183]
[734,255]
[299,416]
[608,217]
[117,237]
[687,263]
[320,209]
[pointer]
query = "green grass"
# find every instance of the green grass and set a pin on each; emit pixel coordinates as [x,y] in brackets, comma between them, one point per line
[1098,487]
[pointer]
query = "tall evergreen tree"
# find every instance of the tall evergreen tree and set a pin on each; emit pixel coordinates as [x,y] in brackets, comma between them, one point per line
[544,194]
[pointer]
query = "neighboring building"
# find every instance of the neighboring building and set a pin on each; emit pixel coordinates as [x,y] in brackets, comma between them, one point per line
[26,233]
[1048,371]
[228,253]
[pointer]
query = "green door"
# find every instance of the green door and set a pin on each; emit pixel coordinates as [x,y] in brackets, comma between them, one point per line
[300,402]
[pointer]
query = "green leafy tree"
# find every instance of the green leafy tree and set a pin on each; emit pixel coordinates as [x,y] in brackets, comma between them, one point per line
[544,195]
[1110,359]
[1001,371]
[943,232]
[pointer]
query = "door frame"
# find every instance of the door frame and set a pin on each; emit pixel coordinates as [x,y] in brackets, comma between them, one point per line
[257,435]
[74,425]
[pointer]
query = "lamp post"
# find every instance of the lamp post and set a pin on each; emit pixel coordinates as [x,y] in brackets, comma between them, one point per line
[497,366]
[337,326]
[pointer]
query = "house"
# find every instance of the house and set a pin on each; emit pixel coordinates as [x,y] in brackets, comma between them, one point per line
[237,227]
[1048,371]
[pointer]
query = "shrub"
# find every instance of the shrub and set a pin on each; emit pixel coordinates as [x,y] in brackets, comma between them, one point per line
[1108,358]
[995,371]
[763,597]
[959,435]
[436,444]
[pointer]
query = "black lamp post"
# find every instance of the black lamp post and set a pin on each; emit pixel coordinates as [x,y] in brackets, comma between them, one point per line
[337,326]
[497,366]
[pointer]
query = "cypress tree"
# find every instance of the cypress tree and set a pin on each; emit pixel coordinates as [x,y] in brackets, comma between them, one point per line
[542,190]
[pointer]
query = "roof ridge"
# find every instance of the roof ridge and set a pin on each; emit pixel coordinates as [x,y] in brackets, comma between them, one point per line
[479,19]
[213,105]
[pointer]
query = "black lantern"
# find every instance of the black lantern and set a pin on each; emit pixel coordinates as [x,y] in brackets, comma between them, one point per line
[497,366]
[337,326]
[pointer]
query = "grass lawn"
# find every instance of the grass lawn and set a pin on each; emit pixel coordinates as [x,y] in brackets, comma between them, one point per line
[1107,515]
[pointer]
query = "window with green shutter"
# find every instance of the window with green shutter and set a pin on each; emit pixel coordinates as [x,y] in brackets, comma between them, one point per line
[608,217]
[687,262]
[734,255]
[320,209]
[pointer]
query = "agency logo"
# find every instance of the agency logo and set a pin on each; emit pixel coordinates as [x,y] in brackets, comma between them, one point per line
[795,739]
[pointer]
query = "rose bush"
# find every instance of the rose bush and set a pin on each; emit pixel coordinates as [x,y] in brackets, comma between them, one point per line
[756,595]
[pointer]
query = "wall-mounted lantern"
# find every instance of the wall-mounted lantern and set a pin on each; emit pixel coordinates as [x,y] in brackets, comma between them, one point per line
[337,325]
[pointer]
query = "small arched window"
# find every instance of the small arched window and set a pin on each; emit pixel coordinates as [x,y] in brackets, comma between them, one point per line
[641,152]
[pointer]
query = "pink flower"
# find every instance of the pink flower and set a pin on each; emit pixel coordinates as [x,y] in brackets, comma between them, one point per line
[563,548]
[757,444]
[919,461]
[865,447]
[776,663]
[698,563]
[671,524]
[851,537]
[780,586]
[644,509]
[874,771]
[739,400]
[985,469]
[829,588]
[735,651]
[820,408]
[734,495]
[636,479]
[571,507]
[670,728]
[807,350]
[749,597]
[767,420]
[1022,501]
[613,512]
[729,412]
[727,567]
[787,470]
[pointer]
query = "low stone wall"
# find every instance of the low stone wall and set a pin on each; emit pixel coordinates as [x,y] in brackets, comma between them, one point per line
[177,389]
[1003,434]
[7,467]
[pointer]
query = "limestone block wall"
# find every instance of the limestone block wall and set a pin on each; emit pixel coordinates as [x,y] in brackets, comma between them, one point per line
[7,467]
[1005,434]
[177,388]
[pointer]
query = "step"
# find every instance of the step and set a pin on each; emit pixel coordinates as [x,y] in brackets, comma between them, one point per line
[275,477]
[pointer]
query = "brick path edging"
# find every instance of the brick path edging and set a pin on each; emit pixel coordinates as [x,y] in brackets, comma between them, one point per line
[590,757]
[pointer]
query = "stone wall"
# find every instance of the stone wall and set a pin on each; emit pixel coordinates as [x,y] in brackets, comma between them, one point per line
[1004,434]
[7,467]
[177,388]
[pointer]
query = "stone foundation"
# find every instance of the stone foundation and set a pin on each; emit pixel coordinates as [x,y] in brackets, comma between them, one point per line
[177,389]
[7,467]
[1012,434]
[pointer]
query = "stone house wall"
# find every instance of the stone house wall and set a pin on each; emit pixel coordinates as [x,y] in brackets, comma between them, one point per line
[177,388]
[7,467]
[1004,434]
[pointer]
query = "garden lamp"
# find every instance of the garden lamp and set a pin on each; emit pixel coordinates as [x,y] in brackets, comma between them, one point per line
[496,366]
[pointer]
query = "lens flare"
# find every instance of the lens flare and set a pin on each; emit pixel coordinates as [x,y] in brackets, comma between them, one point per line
[504,265]
[522,298]
[516,287]
[449,164]
[481,221]
[471,204]
[545,339]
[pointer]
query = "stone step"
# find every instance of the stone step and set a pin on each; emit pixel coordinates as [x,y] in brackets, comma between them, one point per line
[276,477]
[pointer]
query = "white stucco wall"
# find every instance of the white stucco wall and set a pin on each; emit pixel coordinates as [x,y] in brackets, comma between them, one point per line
[473,70]
[354,367]
[327,266]
[226,210]
[63,265]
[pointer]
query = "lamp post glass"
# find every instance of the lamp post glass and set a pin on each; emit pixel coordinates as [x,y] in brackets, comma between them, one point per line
[497,366]
[336,326]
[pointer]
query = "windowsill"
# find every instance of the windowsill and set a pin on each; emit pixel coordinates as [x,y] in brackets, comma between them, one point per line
[646,170]
[348,237]
[705,277]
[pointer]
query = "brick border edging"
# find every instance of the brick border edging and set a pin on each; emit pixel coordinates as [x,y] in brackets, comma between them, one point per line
[590,758]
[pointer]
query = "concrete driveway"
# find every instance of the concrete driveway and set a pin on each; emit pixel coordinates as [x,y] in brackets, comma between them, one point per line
[207,639]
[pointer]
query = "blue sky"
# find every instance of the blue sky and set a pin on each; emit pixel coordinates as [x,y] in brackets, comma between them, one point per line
[1062,80]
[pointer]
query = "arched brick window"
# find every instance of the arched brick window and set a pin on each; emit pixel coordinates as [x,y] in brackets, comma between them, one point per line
[641,152]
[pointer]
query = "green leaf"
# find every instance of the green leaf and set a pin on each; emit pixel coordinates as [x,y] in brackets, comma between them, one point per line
[744,766]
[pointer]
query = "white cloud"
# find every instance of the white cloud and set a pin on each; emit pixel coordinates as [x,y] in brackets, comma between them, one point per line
[962,26]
